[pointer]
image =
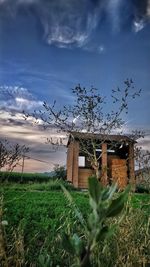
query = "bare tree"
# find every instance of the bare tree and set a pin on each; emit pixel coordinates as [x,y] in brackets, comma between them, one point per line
[143,166]
[11,154]
[89,114]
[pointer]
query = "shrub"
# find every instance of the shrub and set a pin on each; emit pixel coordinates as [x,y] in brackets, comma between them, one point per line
[142,189]
[95,228]
[60,172]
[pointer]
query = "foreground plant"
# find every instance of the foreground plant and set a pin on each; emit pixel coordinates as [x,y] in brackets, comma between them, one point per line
[103,206]
[11,253]
[3,255]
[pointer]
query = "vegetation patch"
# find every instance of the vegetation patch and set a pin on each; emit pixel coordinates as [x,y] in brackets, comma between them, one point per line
[17,177]
[36,220]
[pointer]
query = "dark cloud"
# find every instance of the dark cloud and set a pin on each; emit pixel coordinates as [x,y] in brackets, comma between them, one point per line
[68,23]
[140,8]
[64,22]
[13,122]
[41,156]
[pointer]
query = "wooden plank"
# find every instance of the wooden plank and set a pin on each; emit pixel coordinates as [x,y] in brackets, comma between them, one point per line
[104,164]
[118,170]
[70,162]
[131,165]
[75,163]
[83,177]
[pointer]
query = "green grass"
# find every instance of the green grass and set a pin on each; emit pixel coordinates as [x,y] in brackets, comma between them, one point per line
[141,201]
[53,184]
[24,178]
[39,212]
[38,205]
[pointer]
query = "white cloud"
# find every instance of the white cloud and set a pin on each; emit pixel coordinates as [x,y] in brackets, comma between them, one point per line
[69,23]
[16,118]
[29,133]
[8,92]
[17,99]
[101,49]
[138,25]
[23,103]
[65,36]
[113,9]
[144,142]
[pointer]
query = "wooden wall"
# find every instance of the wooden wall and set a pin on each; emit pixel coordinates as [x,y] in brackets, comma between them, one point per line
[131,165]
[75,164]
[83,177]
[118,172]
[70,163]
[117,169]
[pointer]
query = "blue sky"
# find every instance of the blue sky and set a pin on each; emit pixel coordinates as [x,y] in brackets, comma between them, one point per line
[47,47]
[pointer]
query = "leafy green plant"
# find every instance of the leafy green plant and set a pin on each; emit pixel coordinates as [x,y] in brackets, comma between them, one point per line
[96,229]
[44,260]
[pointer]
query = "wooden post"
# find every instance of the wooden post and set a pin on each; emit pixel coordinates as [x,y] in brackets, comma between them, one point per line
[75,164]
[131,165]
[22,168]
[104,164]
[70,162]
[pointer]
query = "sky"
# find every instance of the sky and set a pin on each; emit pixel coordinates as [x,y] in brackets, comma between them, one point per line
[48,47]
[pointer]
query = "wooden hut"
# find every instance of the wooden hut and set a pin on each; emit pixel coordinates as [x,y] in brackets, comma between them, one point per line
[117,159]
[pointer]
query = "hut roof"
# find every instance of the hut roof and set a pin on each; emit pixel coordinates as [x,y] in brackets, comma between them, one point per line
[95,136]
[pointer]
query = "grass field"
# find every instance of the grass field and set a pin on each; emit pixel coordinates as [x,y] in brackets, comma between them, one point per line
[37,213]
[24,177]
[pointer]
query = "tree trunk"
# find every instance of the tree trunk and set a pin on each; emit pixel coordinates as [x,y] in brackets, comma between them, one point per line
[98,175]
